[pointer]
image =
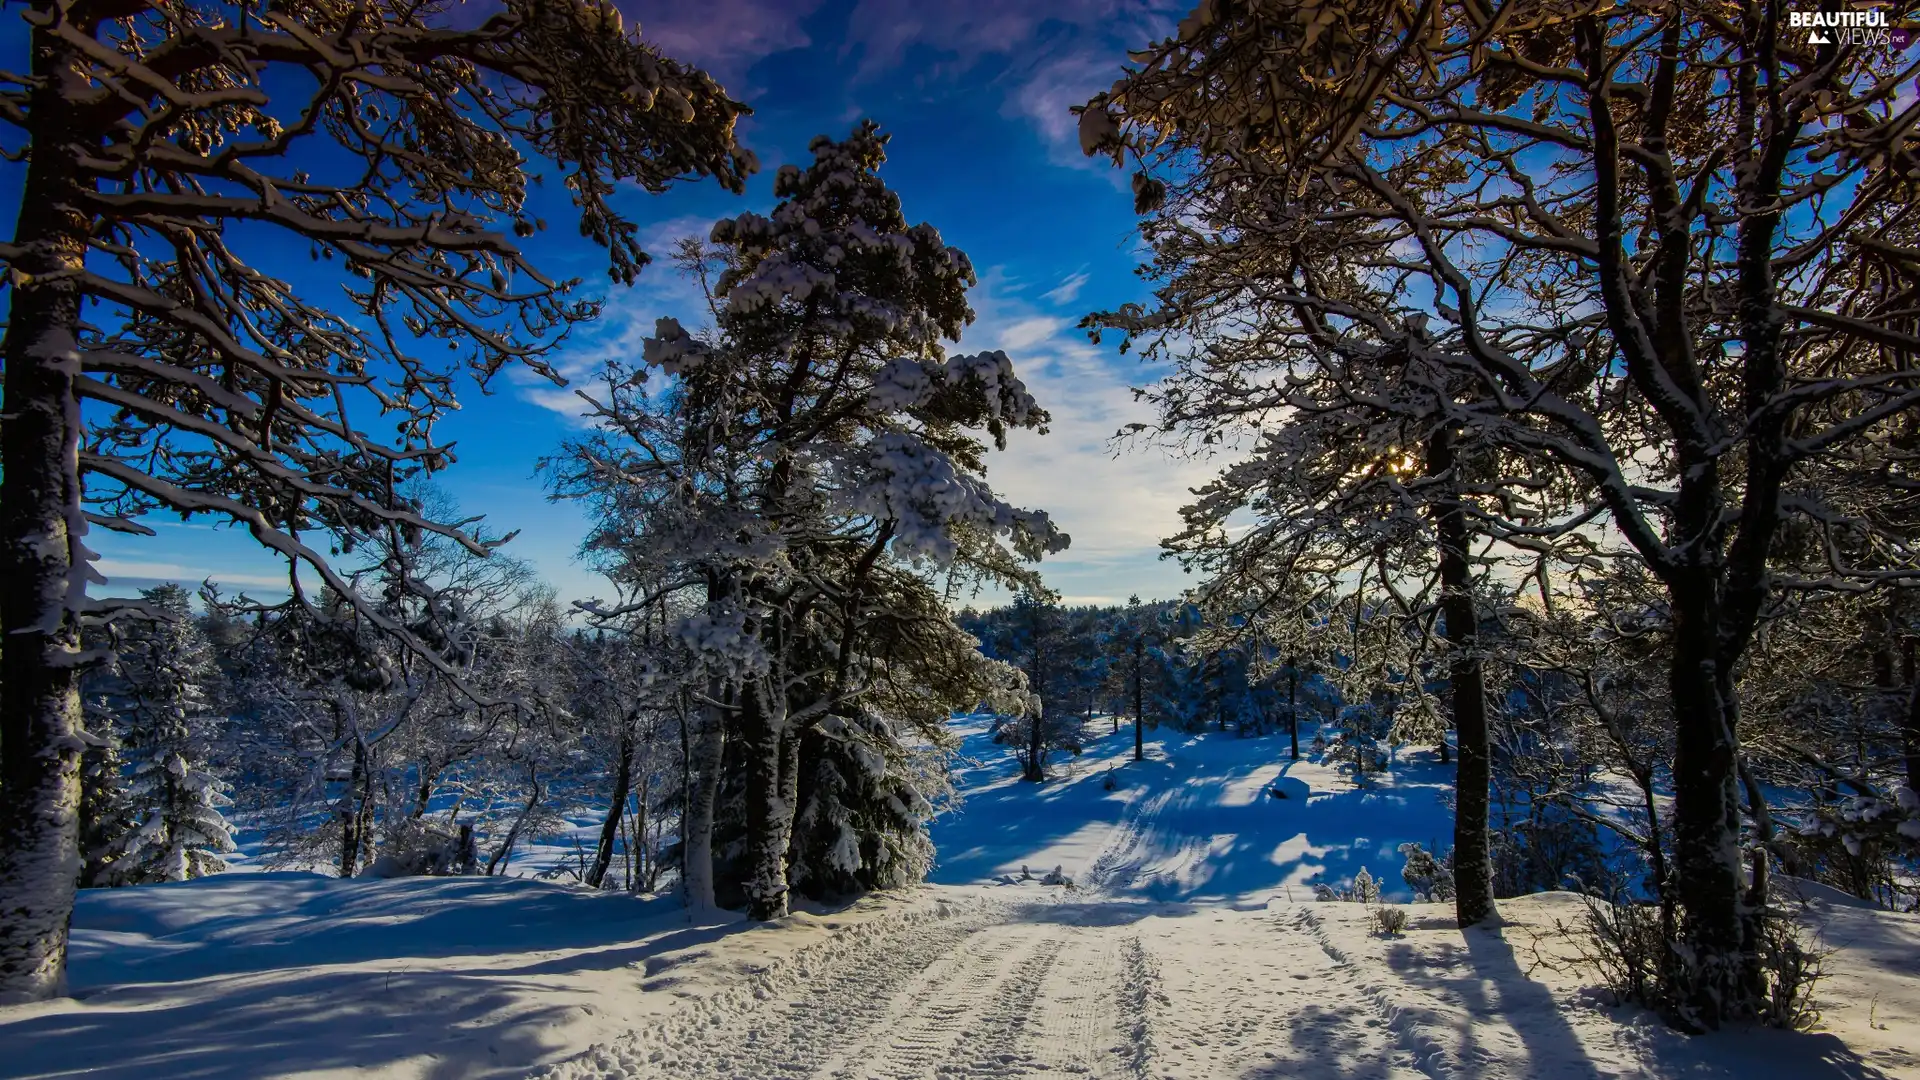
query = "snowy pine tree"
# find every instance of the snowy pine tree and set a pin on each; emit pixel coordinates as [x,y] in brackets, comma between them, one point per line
[166,692]
[1366,890]
[814,460]
[862,811]
[106,808]
[1431,879]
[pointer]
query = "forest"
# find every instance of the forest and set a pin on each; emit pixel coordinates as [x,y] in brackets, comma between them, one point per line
[1553,369]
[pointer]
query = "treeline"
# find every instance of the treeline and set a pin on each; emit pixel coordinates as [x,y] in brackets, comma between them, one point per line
[349,754]
[1156,661]
[1579,774]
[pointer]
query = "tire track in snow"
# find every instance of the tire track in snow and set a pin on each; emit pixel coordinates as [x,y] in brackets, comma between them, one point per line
[994,1048]
[925,1020]
[1119,862]
[773,1028]
[1140,984]
[1076,1028]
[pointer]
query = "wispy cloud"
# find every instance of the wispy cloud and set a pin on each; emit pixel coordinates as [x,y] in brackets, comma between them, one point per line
[129,571]
[1056,54]
[626,320]
[1068,289]
[725,37]
[1116,501]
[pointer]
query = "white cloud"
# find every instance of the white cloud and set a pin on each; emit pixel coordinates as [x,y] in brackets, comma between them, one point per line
[626,320]
[120,569]
[1116,502]
[658,238]
[1058,54]
[726,37]
[1068,289]
[1026,332]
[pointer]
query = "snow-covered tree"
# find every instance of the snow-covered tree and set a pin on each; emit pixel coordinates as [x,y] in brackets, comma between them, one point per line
[816,441]
[358,738]
[106,812]
[1036,637]
[386,140]
[167,696]
[1431,879]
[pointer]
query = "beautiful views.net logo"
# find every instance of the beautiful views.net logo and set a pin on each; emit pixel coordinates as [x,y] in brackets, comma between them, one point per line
[1867,27]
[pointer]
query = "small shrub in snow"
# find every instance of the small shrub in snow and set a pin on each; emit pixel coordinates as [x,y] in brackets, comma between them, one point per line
[1430,879]
[1365,890]
[1392,921]
[1640,958]
[1861,843]
[417,848]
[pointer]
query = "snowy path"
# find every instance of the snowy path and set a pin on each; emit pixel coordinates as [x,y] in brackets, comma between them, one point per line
[1000,990]
[1063,988]
[1091,991]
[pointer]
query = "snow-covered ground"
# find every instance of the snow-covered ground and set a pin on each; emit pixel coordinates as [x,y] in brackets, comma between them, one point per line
[1194,822]
[1187,948]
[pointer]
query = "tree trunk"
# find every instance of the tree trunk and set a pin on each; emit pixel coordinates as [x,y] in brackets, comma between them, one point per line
[43,562]
[503,856]
[769,819]
[640,847]
[1220,691]
[616,808]
[790,775]
[1910,730]
[1139,713]
[1293,705]
[1036,753]
[1036,767]
[423,795]
[352,811]
[1472,855]
[703,784]
[468,852]
[1706,809]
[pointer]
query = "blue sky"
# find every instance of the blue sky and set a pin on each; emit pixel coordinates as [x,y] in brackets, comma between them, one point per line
[976,97]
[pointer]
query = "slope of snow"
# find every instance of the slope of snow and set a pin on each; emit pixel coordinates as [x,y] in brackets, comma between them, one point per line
[293,974]
[1186,950]
[1193,822]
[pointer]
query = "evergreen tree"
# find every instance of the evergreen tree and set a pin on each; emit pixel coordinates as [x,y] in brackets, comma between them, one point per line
[167,692]
[817,451]
[106,809]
